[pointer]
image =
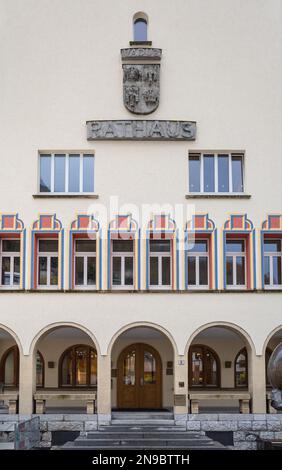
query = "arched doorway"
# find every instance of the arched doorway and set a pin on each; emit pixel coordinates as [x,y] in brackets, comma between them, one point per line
[139,384]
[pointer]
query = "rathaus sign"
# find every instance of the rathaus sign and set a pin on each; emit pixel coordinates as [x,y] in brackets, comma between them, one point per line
[141,96]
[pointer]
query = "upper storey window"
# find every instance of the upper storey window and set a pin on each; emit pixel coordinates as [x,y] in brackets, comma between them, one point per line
[216,173]
[140,26]
[66,173]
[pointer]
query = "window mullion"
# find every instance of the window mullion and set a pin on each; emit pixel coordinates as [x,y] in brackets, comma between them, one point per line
[52,173]
[67,173]
[230,174]
[216,173]
[81,174]
[85,270]
[201,173]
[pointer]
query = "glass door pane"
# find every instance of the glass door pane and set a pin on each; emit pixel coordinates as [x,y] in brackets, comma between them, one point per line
[276,270]
[154,274]
[191,270]
[197,368]
[74,176]
[93,367]
[42,271]
[9,374]
[59,183]
[267,270]
[150,368]
[203,270]
[166,271]
[81,366]
[16,280]
[116,270]
[79,270]
[229,270]
[240,270]
[54,271]
[6,271]
[128,271]
[91,270]
[129,368]
[223,173]
[209,186]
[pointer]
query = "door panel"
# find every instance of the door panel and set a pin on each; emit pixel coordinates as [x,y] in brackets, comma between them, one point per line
[139,377]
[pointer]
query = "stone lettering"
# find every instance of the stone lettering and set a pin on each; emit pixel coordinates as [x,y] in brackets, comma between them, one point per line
[141,130]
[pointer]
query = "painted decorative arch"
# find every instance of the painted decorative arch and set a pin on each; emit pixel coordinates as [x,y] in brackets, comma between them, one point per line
[47,225]
[200,225]
[54,326]
[153,326]
[124,227]
[271,227]
[220,324]
[164,227]
[11,226]
[85,226]
[238,225]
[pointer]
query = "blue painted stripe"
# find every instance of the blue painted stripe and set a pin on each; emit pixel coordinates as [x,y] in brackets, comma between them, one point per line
[62,258]
[109,260]
[100,259]
[32,261]
[139,259]
[215,259]
[24,258]
[177,259]
[262,260]
[70,260]
[147,260]
[254,260]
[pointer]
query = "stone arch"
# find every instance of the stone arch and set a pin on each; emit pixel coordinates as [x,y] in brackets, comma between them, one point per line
[269,336]
[53,326]
[154,326]
[231,326]
[13,335]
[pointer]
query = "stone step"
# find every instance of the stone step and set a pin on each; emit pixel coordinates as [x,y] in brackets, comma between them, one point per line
[156,422]
[140,435]
[141,415]
[144,442]
[215,446]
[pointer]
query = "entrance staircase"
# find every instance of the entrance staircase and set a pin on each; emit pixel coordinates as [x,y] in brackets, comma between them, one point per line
[142,431]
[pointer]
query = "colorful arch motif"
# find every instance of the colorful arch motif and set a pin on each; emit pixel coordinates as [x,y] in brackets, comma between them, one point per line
[47,225]
[12,226]
[239,224]
[201,225]
[125,227]
[85,226]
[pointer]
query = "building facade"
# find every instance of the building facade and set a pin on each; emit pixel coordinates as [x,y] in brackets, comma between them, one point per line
[141,217]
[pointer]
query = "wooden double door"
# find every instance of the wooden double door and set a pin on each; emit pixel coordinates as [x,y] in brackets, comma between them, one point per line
[139,384]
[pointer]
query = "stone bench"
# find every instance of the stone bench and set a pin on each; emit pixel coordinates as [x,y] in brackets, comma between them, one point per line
[41,397]
[242,397]
[12,399]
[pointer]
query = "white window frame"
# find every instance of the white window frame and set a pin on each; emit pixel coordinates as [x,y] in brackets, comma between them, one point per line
[197,255]
[48,255]
[160,255]
[67,155]
[85,255]
[122,255]
[201,156]
[271,255]
[11,255]
[233,255]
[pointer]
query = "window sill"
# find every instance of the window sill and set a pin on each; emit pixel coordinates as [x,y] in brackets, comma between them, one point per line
[140,43]
[217,196]
[65,196]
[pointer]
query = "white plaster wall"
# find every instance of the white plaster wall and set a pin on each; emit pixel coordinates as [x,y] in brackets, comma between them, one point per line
[60,66]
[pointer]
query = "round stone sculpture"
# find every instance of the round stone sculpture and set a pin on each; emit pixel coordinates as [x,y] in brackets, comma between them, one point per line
[274,371]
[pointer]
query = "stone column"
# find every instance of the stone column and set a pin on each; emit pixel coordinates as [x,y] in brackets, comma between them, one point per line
[180,390]
[257,383]
[27,383]
[104,389]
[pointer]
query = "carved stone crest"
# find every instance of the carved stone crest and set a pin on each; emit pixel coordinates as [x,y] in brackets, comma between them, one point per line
[141,87]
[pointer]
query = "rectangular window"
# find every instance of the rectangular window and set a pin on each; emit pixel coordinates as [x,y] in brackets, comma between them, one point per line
[85,263]
[160,263]
[272,263]
[235,264]
[122,264]
[216,173]
[48,263]
[198,265]
[10,263]
[71,173]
